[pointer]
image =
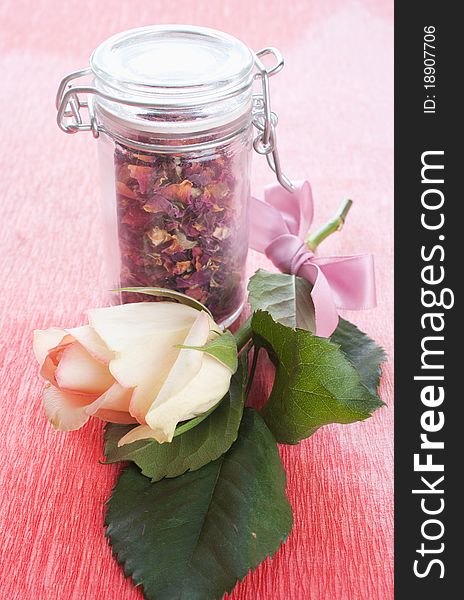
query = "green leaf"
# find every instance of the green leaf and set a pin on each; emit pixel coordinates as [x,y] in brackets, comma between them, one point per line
[165,293]
[189,451]
[314,383]
[223,348]
[362,352]
[195,536]
[285,297]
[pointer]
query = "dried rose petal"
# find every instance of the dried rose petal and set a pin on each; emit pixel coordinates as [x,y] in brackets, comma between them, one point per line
[181,267]
[182,225]
[177,191]
[159,236]
[141,174]
[221,233]
[123,189]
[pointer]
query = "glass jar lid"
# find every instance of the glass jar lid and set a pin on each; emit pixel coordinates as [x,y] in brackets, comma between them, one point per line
[174,76]
[178,64]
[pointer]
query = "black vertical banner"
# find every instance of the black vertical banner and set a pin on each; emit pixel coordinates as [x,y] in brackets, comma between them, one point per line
[429,252]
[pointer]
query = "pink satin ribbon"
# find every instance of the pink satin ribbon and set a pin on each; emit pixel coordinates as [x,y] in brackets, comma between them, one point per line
[279,225]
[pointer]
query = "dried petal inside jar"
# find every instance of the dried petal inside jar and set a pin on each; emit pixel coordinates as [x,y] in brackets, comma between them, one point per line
[182,224]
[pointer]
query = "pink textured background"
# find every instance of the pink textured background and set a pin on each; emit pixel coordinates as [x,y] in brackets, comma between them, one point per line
[334,99]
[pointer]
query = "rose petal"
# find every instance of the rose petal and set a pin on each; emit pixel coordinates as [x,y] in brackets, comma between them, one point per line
[188,362]
[142,432]
[48,369]
[199,395]
[116,398]
[46,339]
[115,416]
[113,405]
[143,336]
[194,338]
[63,409]
[118,326]
[67,411]
[77,371]
[49,345]
[92,342]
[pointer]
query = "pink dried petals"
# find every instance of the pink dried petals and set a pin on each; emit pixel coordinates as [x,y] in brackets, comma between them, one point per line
[180,226]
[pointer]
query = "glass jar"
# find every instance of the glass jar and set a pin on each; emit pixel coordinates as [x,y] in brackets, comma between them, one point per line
[173,108]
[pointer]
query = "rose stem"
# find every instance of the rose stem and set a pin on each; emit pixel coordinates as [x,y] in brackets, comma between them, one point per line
[243,335]
[251,375]
[334,224]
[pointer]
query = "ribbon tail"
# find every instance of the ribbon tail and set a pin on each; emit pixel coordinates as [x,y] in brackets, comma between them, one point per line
[325,310]
[351,279]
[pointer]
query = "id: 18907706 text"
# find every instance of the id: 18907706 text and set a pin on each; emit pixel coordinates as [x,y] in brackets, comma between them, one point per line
[430,102]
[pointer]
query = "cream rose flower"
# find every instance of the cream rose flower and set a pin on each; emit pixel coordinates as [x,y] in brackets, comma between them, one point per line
[125,366]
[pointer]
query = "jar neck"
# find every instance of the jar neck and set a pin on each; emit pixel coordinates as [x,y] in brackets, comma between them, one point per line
[147,132]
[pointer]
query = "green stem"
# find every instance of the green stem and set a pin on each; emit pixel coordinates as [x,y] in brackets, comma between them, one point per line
[251,376]
[334,224]
[243,335]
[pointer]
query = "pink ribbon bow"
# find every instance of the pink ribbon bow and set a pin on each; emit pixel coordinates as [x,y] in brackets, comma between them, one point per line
[279,225]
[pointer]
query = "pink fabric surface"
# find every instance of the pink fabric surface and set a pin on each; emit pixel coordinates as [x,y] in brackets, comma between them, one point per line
[334,99]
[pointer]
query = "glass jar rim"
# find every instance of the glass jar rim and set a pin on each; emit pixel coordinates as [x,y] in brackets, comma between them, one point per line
[175,66]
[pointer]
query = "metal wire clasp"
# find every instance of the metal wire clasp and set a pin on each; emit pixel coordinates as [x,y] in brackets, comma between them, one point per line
[265,120]
[70,100]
